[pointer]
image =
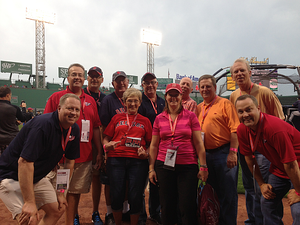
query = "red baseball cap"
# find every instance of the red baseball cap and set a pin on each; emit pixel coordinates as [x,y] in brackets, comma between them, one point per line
[173,86]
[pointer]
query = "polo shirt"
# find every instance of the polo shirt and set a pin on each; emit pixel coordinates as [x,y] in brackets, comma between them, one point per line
[217,121]
[279,142]
[39,141]
[118,127]
[88,111]
[110,106]
[146,108]
[186,123]
[267,100]
[190,105]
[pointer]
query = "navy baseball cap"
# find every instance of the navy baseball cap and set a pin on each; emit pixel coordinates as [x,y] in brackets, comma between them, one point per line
[95,72]
[118,74]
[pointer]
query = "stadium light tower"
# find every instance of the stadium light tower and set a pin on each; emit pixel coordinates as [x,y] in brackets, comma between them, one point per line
[40,19]
[151,38]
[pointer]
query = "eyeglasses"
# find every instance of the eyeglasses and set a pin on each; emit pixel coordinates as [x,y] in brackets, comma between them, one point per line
[147,83]
[132,101]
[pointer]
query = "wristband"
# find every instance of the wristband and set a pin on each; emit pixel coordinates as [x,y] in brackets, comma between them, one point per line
[203,169]
[151,171]
[297,193]
[104,149]
[233,149]
[61,191]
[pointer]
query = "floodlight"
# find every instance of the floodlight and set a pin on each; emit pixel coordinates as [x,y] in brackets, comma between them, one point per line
[151,37]
[39,15]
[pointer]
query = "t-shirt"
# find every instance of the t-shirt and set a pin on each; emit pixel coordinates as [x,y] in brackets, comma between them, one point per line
[110,106]
[118,127]
[39,141]
[97,96]
[220,120]
[146,108]
[186,123]
[279,142]
[88,112]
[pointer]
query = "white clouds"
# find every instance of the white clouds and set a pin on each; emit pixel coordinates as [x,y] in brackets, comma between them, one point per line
[199,37]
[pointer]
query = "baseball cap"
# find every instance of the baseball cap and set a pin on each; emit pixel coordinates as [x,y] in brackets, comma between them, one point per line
[173,86]
[148,74]
[95,72]
[29,108]
[118,74]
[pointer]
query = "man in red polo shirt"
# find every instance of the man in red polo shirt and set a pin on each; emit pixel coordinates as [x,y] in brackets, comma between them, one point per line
[279,142]
[88,123]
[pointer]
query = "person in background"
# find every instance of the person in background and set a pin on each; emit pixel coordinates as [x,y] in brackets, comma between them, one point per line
[34,152]
[218,120]
[126,141]
[279,142]
[111,105]
[30,114]
[270,104]
[88,123]
[95,79]
[186,85]
[175,148]
[152,105]
[9,114]
[297,112]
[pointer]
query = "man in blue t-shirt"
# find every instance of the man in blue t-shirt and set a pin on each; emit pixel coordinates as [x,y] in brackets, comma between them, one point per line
[34,152]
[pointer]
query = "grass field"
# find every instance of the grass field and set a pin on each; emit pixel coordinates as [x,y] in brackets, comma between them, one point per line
[240,187]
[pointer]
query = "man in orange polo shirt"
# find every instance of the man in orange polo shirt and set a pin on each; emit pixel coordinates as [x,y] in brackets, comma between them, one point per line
[219,121]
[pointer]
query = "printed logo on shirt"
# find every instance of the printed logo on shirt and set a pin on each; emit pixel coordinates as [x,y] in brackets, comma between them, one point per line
[71,138]
[87,103]
[120,110]
[124,123]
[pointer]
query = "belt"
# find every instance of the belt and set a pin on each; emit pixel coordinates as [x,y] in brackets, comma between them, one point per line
[218,148]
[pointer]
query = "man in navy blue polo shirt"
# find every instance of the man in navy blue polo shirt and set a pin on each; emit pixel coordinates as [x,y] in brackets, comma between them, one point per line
[34,152]
[151,106]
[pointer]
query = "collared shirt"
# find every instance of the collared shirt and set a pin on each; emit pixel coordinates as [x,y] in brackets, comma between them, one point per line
[279,142]
[218,124]
[146,108]
[267,100]
[190,105]
[90,113]
[39,141]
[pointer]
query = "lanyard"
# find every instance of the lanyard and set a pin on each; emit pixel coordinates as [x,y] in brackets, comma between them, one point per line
[63,141]
[172,127]
[83,105]
[120,100]
[91,94]
[253,146]
[128,123]
[204,115]
[249,91]
[154,105]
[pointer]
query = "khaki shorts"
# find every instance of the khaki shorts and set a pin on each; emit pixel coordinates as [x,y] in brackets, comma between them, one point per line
[10,194]
[81,178]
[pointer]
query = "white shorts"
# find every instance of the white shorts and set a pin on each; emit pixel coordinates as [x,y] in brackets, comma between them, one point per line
[11,195]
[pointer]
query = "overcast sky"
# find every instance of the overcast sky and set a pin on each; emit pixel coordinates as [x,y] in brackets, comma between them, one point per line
[198,37]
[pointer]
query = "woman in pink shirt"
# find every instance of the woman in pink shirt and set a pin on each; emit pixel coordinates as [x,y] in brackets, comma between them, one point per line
[175,149]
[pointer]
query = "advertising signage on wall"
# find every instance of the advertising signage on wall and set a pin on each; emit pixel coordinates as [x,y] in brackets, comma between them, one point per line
[132,79]
[193,78]
[163,82]
[14,67]
[63,72]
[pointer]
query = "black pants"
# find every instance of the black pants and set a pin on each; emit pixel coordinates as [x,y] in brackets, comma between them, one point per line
[178,187]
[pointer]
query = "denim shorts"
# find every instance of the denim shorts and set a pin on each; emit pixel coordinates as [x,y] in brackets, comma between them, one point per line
[122,171]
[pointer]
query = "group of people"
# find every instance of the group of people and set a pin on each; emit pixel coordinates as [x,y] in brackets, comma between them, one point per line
[126,138]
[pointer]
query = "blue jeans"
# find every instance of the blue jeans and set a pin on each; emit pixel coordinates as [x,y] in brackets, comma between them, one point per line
[224,181]
[134,171]
[253,195]
[272,209]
